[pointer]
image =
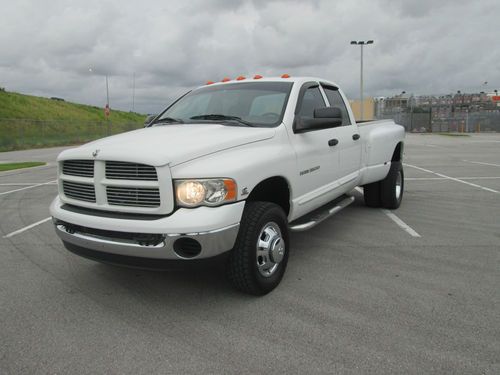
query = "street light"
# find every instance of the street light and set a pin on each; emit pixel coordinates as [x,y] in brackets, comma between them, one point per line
[133,93]
[361,43]
[107,87]
[400,105]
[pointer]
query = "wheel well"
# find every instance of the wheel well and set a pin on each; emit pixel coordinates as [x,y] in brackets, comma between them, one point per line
[398,152]
[275,190]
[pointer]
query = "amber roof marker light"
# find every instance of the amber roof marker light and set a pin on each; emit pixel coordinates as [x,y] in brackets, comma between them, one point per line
[210,82]
[226,79]
[240,78]
[285,76]
[257,76]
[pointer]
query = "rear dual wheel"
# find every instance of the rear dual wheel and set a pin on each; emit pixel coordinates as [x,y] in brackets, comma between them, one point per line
[387,193]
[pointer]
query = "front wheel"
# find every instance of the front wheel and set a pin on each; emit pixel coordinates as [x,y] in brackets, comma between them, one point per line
[259,258]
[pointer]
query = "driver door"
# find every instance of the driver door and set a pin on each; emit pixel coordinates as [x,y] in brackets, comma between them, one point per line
[317,156]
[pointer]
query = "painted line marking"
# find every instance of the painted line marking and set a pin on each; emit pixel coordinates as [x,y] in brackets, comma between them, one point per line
[28,187]
[396,219]
[453,179]
[443,178]
[25,183]
[18,171]
[482,163]
[401,223]
[11,234]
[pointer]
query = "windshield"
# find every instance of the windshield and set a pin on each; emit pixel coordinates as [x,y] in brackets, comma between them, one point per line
[246,104]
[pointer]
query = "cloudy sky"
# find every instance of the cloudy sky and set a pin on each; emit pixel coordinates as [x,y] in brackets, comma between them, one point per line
[421,46]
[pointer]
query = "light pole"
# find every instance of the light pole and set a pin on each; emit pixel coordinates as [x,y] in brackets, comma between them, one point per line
[107,87]
[361,43]
[133,93]
[401,105]
[107,109]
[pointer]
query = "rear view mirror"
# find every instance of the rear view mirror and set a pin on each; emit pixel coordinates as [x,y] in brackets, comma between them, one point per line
[324,118]
[149,120]
[332,113]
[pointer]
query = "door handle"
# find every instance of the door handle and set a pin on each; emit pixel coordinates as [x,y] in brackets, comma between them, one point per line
[333,142]
[356,136]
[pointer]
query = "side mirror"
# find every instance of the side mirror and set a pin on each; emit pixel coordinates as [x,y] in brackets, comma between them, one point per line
[149,120]
[324,118]
[332,113]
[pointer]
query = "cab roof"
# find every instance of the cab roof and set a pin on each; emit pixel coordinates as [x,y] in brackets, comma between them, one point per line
[299,79]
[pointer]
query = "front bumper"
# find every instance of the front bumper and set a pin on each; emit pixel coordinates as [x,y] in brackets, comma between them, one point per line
[214,228]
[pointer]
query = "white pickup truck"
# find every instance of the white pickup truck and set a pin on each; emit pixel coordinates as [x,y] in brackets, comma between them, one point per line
[229,168]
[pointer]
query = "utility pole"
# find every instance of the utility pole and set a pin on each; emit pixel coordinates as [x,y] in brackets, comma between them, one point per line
[133,92]
[107,105]
[361,43]
[107,91]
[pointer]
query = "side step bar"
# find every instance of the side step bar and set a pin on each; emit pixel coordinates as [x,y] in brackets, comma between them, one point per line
[317,216]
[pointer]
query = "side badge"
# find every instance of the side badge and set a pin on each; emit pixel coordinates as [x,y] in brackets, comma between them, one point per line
[244,191]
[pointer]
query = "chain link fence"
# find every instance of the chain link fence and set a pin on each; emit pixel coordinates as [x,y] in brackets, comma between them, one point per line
[20,134]
[461,122]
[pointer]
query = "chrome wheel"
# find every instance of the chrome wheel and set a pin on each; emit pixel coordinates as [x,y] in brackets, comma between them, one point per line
[399,185]
[270,249]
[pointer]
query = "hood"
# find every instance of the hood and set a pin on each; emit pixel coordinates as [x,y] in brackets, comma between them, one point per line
[168,144]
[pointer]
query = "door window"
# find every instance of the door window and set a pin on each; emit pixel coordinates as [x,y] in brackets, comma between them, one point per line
[312,99]
[336,100]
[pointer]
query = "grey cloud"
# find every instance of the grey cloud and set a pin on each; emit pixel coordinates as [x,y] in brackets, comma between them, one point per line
[420,47]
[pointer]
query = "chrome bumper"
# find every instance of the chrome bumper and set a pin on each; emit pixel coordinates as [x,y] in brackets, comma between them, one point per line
[213,228]
[212,243]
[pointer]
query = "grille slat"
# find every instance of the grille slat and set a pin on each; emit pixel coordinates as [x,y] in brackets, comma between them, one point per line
[76,190]
[117,170]
[81,168]
[138,197]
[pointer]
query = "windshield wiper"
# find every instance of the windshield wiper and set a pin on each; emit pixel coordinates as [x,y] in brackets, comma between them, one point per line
[168,120]
[218,117]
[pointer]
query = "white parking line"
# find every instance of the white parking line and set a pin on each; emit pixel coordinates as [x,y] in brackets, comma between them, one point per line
[453,178]
[11,234]
[396,219]
[401,223]
[27,187]
[25,183]
[444,178]
[482,163]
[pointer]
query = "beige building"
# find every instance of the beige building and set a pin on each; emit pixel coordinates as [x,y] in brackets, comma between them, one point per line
[368,109]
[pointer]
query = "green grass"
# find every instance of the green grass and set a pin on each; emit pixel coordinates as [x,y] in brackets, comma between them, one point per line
[27,164]
[29,121]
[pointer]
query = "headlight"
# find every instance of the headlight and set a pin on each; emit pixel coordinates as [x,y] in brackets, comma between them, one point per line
[213,192]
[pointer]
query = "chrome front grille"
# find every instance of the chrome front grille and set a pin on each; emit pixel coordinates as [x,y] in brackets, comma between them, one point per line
[79,191]
[117,170]
[81,168]
[131,196]
[116,186]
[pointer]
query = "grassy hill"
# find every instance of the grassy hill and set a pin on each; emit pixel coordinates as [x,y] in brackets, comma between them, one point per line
[29,121]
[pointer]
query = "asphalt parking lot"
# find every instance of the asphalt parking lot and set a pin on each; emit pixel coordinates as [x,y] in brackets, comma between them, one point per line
[364,292]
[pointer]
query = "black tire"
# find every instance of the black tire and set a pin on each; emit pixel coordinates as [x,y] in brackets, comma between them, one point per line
[389,195]
[242,268]
[371,194]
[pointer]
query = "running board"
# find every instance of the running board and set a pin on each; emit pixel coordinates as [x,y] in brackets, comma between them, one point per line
[317,216]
